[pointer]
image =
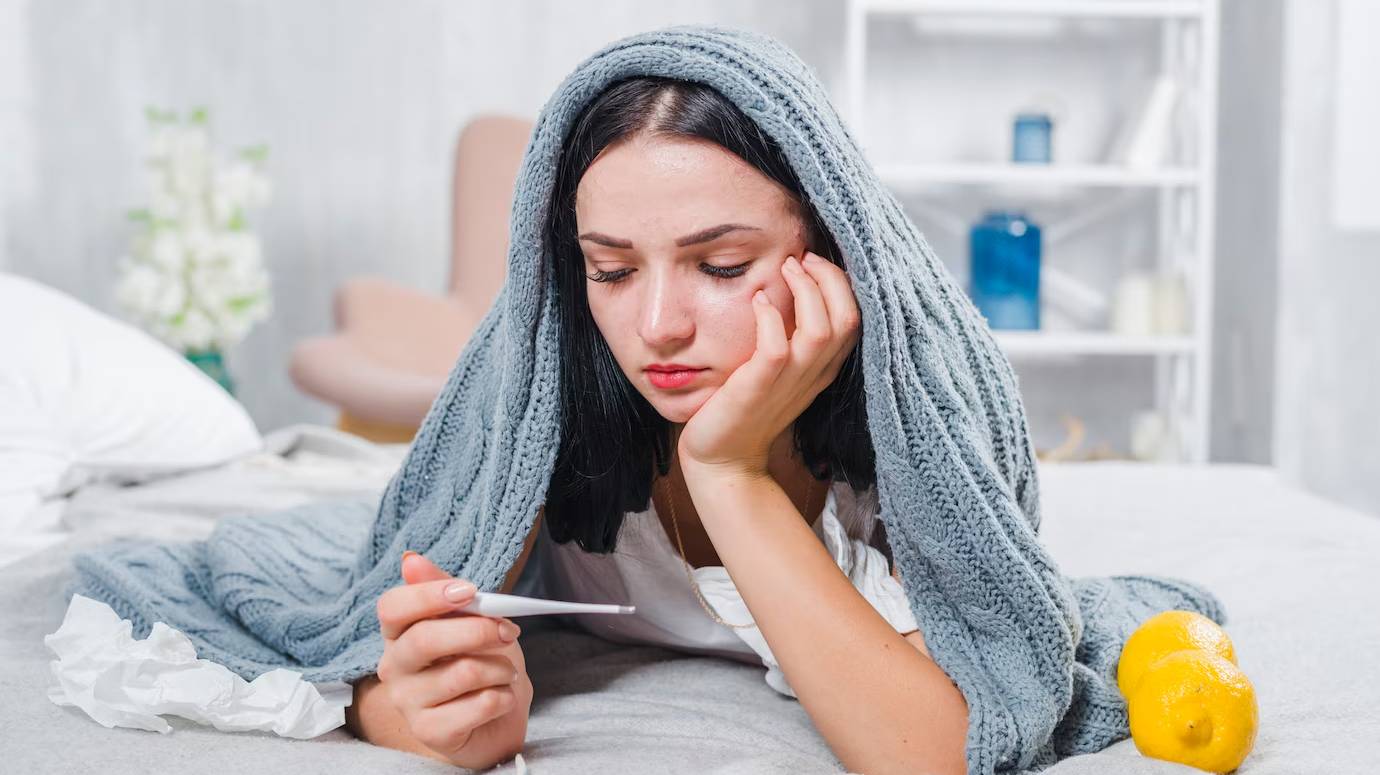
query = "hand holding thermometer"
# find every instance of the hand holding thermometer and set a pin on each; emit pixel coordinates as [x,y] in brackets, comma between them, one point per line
[479,650]
[499,604]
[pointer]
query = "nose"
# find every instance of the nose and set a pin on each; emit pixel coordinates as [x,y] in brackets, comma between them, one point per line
[665,316]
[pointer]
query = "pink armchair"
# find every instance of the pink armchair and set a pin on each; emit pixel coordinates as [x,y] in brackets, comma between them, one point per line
[394,346]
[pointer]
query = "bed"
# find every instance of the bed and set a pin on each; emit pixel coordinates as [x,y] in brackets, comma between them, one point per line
[1299,577]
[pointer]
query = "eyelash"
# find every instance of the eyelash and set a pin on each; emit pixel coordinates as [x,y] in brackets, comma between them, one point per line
[719,272]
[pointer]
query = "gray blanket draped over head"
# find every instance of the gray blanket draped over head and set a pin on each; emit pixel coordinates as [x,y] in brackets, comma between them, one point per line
[1033,652]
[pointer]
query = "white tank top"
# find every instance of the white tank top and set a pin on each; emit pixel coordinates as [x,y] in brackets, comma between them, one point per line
[645,570]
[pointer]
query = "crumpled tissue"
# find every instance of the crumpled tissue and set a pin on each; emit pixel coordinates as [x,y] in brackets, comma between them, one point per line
[120,681]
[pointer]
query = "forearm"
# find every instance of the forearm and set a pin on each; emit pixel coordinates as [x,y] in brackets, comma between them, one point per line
[881,704]
[373,717]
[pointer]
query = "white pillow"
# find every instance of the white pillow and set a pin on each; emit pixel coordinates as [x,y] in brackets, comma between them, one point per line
[87,397]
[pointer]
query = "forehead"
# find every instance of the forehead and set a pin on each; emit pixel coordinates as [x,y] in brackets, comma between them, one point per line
[674,175]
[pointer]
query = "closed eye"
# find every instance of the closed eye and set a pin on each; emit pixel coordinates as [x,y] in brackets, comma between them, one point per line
[720,272]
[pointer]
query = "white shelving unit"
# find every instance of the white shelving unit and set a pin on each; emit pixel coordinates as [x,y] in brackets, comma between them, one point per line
[1184,192]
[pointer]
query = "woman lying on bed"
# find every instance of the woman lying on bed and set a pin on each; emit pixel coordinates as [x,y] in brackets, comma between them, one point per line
[682,238]
[673,238]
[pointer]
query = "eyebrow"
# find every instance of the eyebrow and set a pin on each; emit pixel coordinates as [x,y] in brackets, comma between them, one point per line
[703,235]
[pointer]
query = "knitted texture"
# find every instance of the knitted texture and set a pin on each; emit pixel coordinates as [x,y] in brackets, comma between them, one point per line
[1033,652]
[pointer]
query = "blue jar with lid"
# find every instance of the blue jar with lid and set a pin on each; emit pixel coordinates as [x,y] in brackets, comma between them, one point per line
[1031,138]
[1004,276]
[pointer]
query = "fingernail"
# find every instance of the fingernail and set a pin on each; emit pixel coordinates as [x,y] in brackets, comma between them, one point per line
[407,554]
[459,591]
[792,263]
[812,258]
[760,297]
[508,631]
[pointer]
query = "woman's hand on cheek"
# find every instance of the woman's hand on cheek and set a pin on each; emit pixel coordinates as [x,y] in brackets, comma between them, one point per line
[734,429]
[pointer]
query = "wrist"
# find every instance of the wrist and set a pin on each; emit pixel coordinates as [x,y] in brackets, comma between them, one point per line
[725,473]
[726,490]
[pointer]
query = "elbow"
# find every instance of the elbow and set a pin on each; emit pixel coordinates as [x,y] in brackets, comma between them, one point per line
[937,762]
[946,753]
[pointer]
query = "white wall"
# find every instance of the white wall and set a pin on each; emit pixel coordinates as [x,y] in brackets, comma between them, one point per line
[16,124]
[1327,416]
[1244,305]
[358,100]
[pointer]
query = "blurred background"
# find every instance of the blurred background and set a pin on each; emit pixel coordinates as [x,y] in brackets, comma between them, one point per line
[1167,209]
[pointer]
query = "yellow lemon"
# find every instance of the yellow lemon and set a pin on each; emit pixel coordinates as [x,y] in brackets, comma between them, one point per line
[1165,633]
[1195,708]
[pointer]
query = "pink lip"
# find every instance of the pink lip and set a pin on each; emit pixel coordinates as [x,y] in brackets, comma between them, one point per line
[671,367]
[672,379]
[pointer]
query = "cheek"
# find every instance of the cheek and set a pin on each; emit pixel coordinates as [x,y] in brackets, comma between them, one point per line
[728,317]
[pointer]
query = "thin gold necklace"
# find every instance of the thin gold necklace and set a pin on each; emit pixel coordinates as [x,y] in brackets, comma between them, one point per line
[666,490]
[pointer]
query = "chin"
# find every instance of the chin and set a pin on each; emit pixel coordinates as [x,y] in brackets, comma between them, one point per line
[674,414]
[677,409]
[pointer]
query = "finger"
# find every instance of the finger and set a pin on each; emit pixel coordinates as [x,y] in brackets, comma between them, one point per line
[417,568]
[446,728]
[847,344]
[457,677]
[812,327]
[836,291]
[433,639]
[773,350]
[401,606]
[835,367]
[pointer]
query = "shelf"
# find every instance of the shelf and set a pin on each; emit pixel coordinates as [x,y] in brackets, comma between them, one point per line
[1124,9]
[1178,39]
[1026,343]
[976,173]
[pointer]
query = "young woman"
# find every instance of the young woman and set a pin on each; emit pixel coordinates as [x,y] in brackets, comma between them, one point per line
[715,400]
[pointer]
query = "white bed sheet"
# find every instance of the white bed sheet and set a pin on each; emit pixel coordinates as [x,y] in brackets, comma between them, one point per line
[1298,575]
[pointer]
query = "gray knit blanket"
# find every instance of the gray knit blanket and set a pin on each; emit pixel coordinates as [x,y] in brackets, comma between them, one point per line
[1034,652]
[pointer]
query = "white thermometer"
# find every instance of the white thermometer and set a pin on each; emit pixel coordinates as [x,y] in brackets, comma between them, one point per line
[499,604]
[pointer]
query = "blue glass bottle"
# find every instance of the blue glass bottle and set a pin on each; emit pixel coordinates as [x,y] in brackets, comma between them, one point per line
[1004,277]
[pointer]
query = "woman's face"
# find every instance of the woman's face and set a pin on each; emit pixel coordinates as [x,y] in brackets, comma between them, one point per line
[680,234]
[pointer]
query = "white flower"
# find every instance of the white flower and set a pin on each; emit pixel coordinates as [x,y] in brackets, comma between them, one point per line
[189,161]
[240,248]
[166,251]
[197,331]
[196,277]
[237,185]
[235,329]
[200,240]
[161,142]
[164,203]
[147,293]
